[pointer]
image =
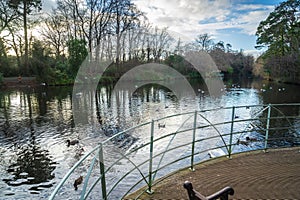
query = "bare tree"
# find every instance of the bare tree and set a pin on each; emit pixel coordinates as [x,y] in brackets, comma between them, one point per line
[9,23]
[135,39]
[204,42]
[160,41]
[104,9]
[15,41]
[7,15]
[55,33]
[24,8]
[66,8]
[87,15]
[125,16]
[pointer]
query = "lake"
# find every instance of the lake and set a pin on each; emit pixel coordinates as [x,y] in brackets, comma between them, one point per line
[35,123]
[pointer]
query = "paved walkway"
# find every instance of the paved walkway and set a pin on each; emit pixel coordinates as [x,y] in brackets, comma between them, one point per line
[255,175]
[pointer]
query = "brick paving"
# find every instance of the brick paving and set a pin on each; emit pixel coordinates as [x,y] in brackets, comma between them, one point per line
[253,175]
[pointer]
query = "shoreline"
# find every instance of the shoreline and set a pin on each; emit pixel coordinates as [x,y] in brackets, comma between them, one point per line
[17,82]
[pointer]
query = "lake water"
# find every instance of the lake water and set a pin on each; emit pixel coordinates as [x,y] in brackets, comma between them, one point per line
[36,122]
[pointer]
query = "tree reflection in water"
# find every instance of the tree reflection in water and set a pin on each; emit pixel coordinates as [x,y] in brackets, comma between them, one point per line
[33,164]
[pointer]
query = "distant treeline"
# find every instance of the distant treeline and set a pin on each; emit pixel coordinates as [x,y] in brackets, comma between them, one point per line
[103,30]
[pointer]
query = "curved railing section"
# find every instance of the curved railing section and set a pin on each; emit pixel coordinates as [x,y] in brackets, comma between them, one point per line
[113,169]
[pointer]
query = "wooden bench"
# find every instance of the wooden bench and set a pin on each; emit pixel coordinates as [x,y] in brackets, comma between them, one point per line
[194,195]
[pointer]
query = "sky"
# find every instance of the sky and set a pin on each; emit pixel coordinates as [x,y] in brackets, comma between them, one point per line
[231,21]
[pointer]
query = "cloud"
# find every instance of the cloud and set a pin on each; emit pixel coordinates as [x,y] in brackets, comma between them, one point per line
[245,7]
[248,17]
[179,9]
[204,16]
[254,53]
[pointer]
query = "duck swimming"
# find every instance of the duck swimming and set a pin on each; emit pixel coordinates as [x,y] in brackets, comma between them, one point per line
[161,125]
[248,139]
[78,182]
[72,142]
[242,142]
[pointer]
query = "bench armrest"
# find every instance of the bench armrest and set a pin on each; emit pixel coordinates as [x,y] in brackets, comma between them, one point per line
[194,195]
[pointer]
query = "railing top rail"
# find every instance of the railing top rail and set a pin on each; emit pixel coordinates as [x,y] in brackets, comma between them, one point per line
[124,131]
[191,112]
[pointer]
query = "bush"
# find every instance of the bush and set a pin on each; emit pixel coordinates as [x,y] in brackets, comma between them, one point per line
[77,53]
[230,70]
[1,78]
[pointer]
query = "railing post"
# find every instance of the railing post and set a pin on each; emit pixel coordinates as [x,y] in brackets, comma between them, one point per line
[150,191]
[193,143]
[102,172]
[231,132]
[267,127]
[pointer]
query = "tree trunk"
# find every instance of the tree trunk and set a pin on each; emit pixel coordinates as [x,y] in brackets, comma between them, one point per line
[25,36]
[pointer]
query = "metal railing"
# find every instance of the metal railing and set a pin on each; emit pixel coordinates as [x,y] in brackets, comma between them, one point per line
[179,141]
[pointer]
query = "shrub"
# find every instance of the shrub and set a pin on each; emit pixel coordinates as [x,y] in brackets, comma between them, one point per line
[230,70]
[1,78]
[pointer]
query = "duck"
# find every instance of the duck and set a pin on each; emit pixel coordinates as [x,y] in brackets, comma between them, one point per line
[78,95]
[248,139]
[100,120]
[79,152]
[78,182]
[72,142]
[242,142]
[161,125]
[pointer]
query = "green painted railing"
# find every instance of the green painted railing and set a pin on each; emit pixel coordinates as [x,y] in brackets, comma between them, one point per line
[198,136]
